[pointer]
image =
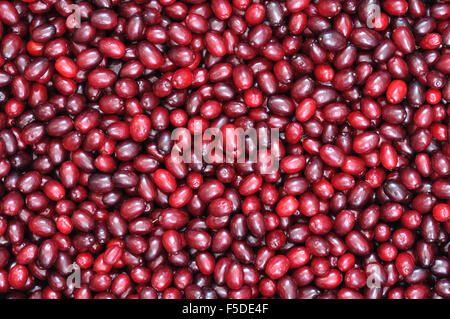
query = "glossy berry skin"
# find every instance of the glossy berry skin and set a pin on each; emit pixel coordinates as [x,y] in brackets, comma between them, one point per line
[66,67]
[404,264]
[396,91]
[277,266]
[140,127]
[18,276]
[324,73]
[441,212]
[388,156]
[286,206]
